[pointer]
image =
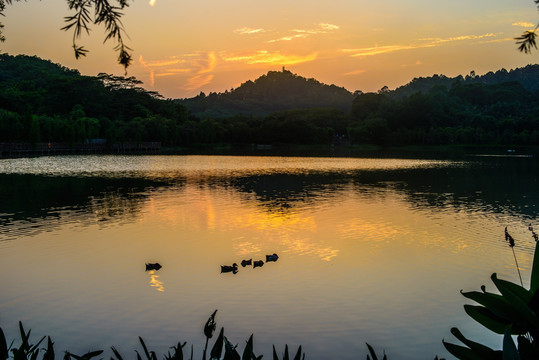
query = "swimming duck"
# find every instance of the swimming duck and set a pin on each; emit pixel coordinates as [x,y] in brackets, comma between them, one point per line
[244,263]
[227,268]
[155,266]
[258,263]
[273,257]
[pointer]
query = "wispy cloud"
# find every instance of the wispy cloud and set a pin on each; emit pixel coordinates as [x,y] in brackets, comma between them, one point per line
[150,70]
[202,76]
[355,72]
[524,24]
[417,63]
[321,28]
[248,31]
[196,71]
[271,58]
[422,43]
[288,38]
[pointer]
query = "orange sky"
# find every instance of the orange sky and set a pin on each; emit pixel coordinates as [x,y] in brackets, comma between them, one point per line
[182,48]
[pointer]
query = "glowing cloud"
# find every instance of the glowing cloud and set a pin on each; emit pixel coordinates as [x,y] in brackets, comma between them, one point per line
[328,27]
[426,42]
[355,72]
[202,75]
[152,2]
[248,31]
[524,24]
[322,28]
[271,58]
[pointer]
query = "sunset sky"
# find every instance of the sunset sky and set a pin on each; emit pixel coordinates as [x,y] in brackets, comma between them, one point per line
[184,47]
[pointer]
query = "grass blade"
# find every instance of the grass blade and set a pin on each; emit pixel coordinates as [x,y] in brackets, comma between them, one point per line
[49,352]
[3,346]
[371,350]
[145,349]
[298,354]
[217,348]
[116,353]
[248,351]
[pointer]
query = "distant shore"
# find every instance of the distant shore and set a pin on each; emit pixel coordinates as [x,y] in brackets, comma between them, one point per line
[17,150]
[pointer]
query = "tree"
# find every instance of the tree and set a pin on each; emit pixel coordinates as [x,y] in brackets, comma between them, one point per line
[527,40]
[103,14]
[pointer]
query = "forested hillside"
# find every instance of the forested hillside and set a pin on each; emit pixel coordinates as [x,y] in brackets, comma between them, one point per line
[45,102]
[274,91]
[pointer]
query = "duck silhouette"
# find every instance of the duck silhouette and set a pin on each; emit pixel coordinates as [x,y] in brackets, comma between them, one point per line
[244,263]
[153,266]
[228,268]
[258,263]
[273,257]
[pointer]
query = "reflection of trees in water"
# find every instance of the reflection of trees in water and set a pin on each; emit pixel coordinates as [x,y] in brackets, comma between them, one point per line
[491,185]
[39,203]
[495,185]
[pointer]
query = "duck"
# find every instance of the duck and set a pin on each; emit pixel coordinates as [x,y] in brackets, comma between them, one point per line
[153,266]
[228,268]
[273,257]
[244,263]
[258,263]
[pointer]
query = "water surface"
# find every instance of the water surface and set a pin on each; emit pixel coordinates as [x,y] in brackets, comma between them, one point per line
[370,250]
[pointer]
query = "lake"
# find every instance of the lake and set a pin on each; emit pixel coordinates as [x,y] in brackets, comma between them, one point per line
[370,250]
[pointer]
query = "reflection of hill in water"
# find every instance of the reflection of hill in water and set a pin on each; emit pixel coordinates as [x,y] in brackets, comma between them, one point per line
[497,185]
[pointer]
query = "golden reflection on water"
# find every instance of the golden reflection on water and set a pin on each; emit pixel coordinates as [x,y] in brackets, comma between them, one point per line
[155,282]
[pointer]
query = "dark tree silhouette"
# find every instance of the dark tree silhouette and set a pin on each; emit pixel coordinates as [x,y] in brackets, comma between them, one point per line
[96,12]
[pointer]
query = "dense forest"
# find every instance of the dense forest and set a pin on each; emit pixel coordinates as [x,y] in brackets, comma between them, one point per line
[45,102]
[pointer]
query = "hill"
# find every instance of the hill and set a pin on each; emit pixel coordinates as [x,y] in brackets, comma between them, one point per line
[274,91]
[527,76]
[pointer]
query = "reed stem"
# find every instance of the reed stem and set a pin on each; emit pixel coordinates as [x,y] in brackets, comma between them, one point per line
[518,268]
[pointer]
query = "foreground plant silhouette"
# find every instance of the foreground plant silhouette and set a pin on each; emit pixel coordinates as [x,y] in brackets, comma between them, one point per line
[512,312]
[28,351]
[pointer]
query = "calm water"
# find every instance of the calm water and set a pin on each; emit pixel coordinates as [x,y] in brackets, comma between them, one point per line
[371,250]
